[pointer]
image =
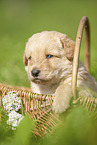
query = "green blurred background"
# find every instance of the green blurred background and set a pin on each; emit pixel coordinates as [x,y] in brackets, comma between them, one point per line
[20,19]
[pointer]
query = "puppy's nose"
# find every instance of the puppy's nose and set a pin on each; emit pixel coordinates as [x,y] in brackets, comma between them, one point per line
[35,72]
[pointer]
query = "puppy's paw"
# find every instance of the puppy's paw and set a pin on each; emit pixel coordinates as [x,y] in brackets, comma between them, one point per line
[62,98]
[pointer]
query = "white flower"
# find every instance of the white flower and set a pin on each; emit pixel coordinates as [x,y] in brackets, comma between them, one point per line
[11,102]
[14,118]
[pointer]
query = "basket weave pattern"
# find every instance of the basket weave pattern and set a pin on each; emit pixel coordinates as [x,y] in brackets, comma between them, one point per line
[39,107]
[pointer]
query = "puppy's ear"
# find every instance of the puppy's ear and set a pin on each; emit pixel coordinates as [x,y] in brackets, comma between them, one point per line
[68,46]
[25,60]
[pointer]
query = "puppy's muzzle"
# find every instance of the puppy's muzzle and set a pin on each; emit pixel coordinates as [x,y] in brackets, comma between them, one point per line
[35,72]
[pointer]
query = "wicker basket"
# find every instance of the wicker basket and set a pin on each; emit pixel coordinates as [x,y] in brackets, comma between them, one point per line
[39,105]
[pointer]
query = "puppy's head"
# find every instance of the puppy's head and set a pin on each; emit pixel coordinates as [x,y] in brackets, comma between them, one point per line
[45,56]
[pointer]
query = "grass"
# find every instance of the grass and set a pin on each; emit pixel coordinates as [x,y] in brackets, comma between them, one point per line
[21,19]
[78,128]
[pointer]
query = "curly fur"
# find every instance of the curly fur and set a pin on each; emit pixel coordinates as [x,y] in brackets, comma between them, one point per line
[55,71]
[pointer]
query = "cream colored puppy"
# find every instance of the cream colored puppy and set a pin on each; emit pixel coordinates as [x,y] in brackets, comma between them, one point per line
[48,61]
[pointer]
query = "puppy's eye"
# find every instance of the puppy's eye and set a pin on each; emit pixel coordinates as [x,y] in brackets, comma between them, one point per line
[29,58]
[49,56]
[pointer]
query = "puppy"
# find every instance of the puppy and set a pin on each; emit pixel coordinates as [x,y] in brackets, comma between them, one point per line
[48,59]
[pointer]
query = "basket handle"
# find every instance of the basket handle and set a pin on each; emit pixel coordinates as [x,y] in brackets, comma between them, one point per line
[84,23]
